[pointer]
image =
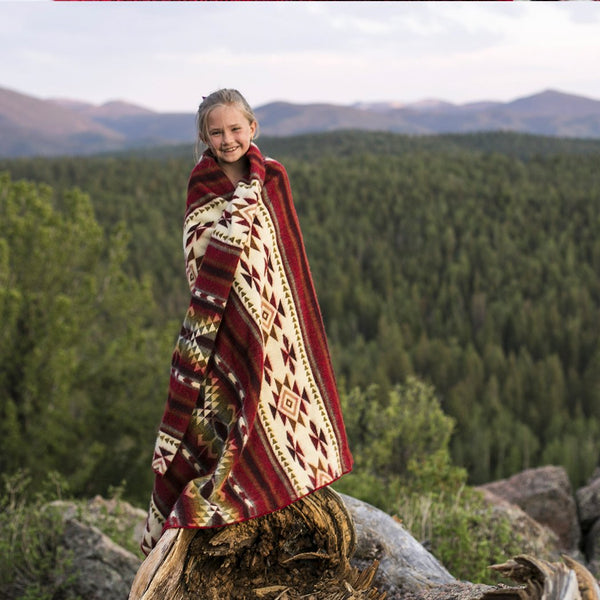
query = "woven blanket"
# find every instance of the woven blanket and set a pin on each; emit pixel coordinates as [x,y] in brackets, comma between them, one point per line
[252,421]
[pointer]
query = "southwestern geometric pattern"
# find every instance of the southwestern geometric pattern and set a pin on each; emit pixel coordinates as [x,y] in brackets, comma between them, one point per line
[252,421]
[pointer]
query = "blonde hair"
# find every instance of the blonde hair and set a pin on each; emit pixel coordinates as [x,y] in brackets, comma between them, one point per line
[222,97]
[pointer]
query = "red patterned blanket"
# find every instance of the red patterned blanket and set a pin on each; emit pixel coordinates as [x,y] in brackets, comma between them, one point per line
[252,421]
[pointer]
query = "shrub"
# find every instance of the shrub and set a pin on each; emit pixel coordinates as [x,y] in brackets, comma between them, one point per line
[460,531]
[400,444]
[33,565]
[398,439]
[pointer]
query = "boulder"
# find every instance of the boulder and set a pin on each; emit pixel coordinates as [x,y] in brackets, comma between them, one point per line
[120,517]
[592,548]
[101,570]
[405,566]
[545,494]
[538,540]
[588,504]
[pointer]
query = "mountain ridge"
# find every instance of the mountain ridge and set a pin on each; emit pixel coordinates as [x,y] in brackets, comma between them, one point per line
[32,126]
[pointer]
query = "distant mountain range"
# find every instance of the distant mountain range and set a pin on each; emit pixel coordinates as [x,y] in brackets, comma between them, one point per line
[32,126]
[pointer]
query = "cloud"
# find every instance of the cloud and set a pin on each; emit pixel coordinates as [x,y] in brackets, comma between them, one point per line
[165,55]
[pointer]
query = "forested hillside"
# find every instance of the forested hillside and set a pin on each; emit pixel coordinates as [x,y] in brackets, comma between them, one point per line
[472,262]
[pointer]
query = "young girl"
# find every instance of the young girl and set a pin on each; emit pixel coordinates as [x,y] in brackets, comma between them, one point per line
[252,421]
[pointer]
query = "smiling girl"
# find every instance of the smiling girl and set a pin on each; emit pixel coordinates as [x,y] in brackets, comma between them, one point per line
[253,421]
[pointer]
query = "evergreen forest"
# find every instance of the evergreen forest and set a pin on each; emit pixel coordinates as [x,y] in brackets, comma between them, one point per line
[468,263]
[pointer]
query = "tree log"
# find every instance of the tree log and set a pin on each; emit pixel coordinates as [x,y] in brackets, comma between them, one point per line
[302,551]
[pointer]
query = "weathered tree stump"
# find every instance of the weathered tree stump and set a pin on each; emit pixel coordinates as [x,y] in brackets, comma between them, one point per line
[302,551]
[544,580]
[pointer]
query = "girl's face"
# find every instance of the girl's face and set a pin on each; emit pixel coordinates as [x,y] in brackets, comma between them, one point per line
[229,133]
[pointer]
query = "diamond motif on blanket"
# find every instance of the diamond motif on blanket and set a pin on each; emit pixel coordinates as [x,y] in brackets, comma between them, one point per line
[289,403]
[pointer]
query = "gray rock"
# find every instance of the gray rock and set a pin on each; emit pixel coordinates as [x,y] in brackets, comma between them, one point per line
[538,540]
[588,503]
[592,548]
[545,494]
[124,517]
[101,569]
[405,565]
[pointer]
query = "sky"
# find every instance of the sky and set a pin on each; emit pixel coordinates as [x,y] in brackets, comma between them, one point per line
[166,55]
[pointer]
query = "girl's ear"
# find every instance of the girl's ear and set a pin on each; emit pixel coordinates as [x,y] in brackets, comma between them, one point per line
[252,129]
